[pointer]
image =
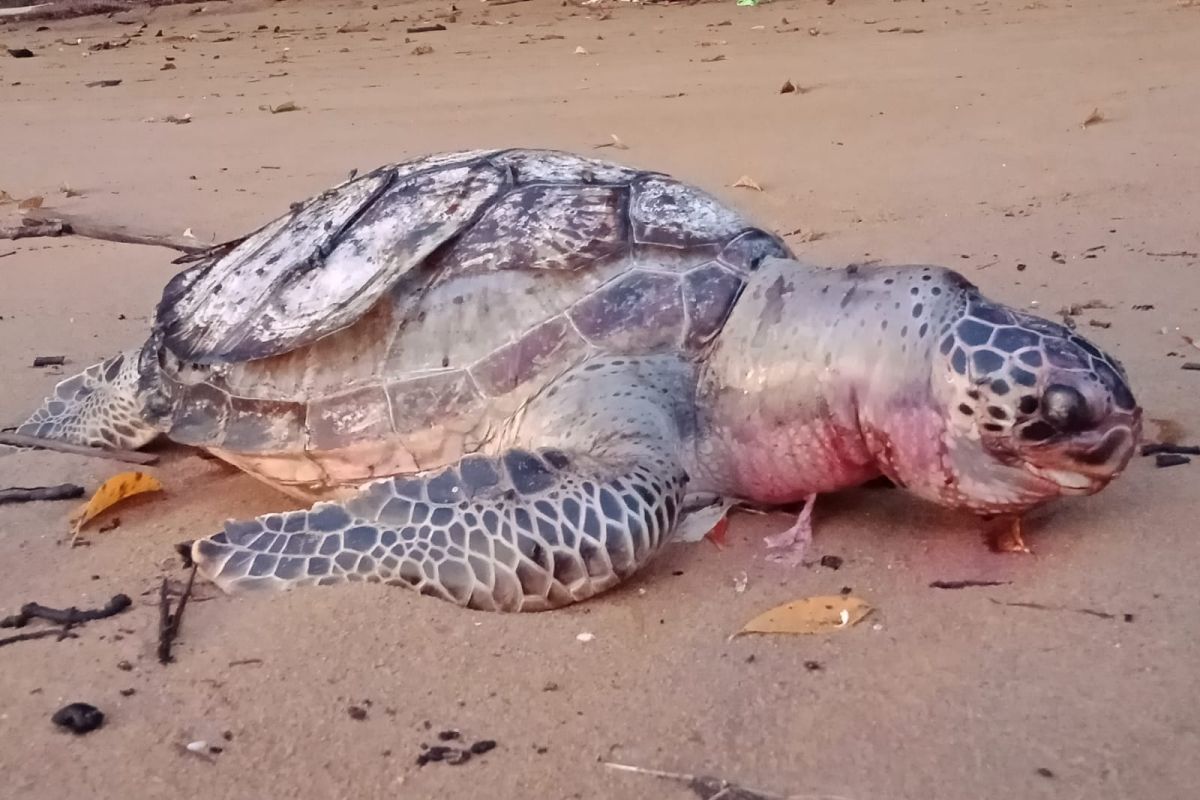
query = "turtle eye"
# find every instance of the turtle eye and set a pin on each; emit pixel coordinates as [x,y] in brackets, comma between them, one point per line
[1065,408]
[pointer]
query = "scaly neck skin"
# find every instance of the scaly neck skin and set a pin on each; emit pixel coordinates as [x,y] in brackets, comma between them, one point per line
[821,379]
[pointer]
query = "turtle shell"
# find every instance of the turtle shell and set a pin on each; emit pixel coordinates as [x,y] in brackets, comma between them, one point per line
[393,322]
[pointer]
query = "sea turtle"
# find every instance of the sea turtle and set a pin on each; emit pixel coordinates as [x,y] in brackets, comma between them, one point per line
[508,377]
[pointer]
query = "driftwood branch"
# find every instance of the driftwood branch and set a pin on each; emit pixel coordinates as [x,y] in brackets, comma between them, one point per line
[66,616]
[21,494]
[60,224]
[21,440]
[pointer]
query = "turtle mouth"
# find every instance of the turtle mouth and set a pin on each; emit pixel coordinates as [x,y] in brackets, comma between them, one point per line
[1068,481]
[1085,464]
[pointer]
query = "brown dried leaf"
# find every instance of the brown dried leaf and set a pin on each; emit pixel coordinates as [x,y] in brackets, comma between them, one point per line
[746,182]
[616,143]
[1093,118]
[823,614]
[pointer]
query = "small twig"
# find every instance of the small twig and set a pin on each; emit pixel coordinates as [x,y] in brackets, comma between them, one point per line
[1091,612]
[425,28]
[965,584]
[63,224]
[66,616]
[168,623]
[243,662]
[1156,448]
[49,361]
[21,494]
[21,440]
[709,788]
[62,633]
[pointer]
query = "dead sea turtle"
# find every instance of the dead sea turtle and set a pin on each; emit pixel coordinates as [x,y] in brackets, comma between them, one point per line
[511,376]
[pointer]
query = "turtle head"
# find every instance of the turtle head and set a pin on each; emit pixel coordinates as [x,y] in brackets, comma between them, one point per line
[1036,411]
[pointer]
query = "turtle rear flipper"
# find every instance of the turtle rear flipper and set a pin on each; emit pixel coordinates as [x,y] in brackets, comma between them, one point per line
[526,531]
[99,407]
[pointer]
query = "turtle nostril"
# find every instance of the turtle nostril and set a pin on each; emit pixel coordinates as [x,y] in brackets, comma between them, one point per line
[1065,408]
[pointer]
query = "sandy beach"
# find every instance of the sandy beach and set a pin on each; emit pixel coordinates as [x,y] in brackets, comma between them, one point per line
[1046,149]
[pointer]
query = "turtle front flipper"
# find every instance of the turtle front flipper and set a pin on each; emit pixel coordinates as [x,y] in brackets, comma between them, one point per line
[525,531]
[99,407]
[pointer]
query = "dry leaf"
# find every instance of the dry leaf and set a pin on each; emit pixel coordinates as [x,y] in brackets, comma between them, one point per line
[184,120]
[1093,118]
[111,492]
[281,108]
[30,202]
[746,182]
[422,50]
[810,615]
[616,143]
[787,88]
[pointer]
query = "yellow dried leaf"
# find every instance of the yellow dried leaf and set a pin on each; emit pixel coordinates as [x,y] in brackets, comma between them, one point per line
[823,614]
[111,492]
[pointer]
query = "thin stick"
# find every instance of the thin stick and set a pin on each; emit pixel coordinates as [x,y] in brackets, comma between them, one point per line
[21,494]
[711,788]
[1155,448]
[66,616]
[21,440]
[168,623]
[25,637]
[63,224]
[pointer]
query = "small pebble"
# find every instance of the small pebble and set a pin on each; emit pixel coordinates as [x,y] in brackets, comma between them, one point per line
[483,746]
[128,692]
[78,718]
[1045,773]
[586,637]
[813,666]
[199,746]
[1170,460]
[449,735]
[832,562]
[357,713]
